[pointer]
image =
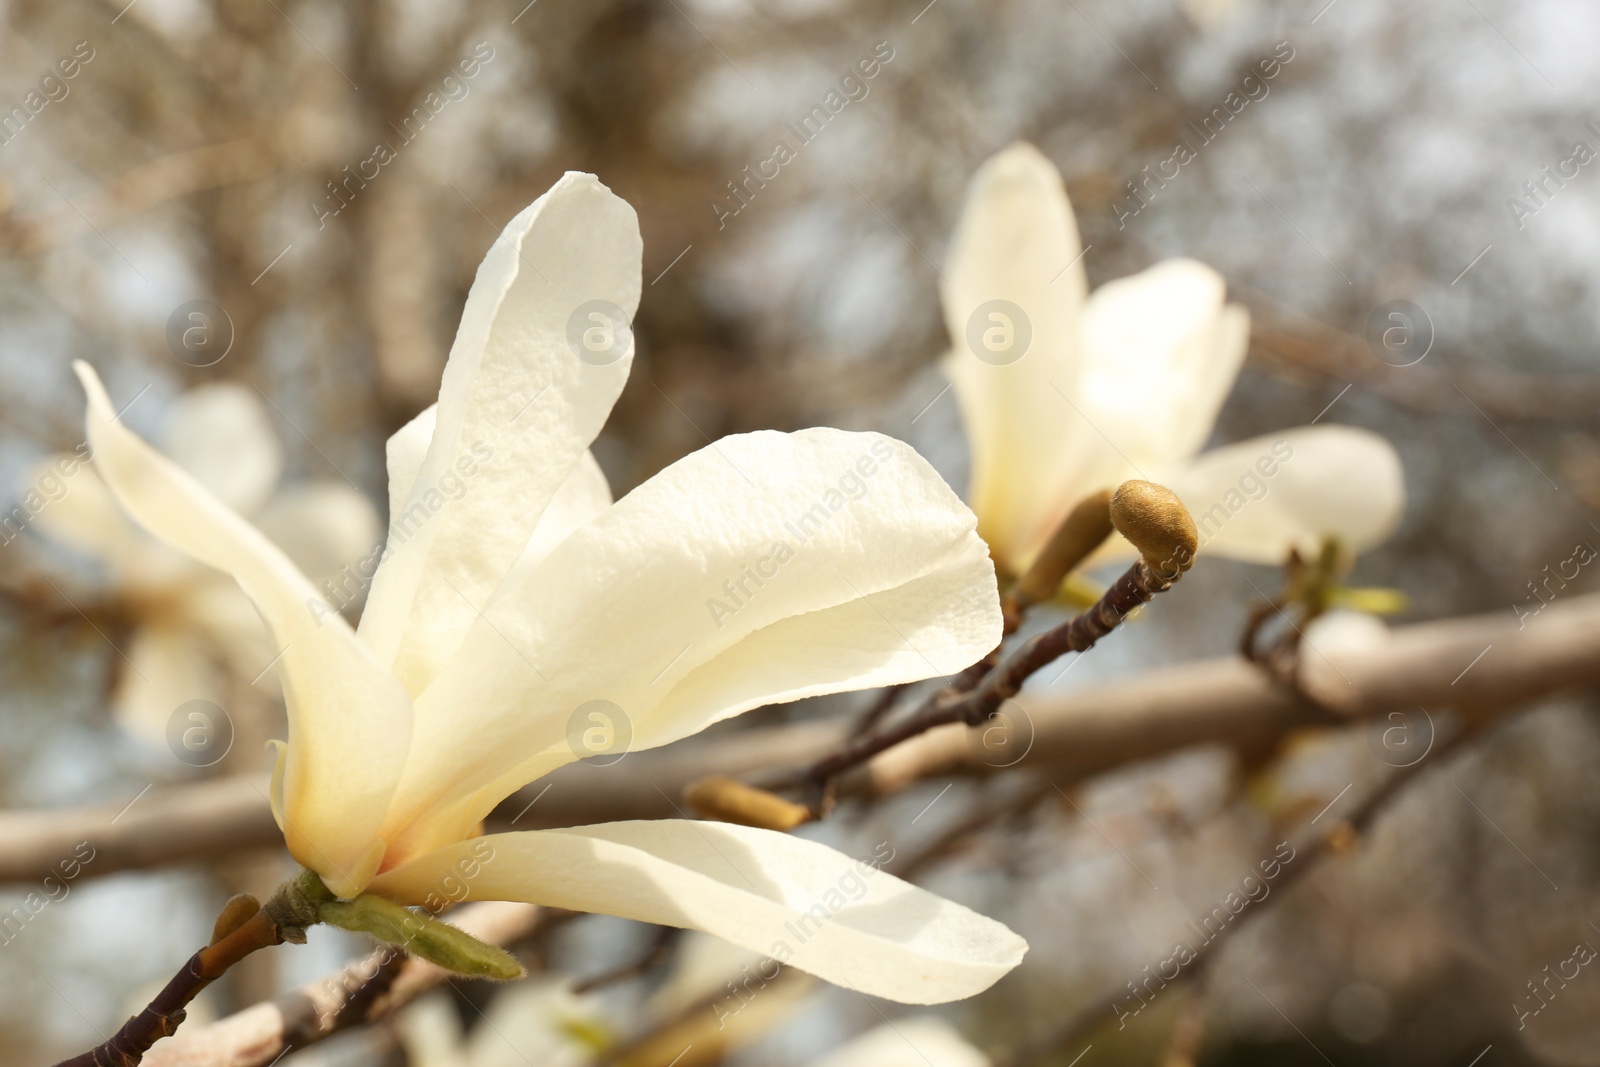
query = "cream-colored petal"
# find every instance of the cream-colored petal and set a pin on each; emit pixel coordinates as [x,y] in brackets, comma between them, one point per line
[925,1041]
[1017,242]
[405,452]
[742,575]
[1162,354]
[168,666]
[329,530]
[349,722]
[1257,499]
[795,900]
[582,498]
[517,408]
[221,435]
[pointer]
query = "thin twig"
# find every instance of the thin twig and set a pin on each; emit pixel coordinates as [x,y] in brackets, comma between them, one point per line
[1310,845]
[126,1048]
[1136,586]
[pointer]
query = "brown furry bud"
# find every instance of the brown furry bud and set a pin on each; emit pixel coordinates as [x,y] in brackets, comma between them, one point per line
[728,800]
[1159,526]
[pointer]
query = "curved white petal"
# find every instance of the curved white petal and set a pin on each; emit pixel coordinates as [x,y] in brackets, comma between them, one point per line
[517,408]
[741,575]
[221,435]
[1017,242]
[1257,499]
[582,498]
[1163,351]
[328,529]
[795,900]
[405,452]
[167,666]
[348,720]
[926,1041]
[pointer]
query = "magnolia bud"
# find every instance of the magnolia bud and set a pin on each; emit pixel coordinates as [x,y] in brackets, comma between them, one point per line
[727,800]
[1156,522]
[1083,530]
[234,914]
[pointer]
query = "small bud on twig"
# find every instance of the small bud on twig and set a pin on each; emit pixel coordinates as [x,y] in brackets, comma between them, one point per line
[1158,525]
[235,913]
[729,800]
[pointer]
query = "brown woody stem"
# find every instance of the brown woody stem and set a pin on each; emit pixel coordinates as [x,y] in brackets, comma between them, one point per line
[974,697]
[283,918]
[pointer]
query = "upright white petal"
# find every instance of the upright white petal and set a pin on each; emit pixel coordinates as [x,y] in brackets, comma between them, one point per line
[1162,354]
[927,1041]
[582,498]
[795,900]
[221,434]
[517,408]
[1017,242]
[349,722]
[405,452]
[1257,499]
[764,568]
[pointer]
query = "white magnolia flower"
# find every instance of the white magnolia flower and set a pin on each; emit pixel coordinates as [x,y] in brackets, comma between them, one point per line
[515,600]
[195,629]
[1065,394]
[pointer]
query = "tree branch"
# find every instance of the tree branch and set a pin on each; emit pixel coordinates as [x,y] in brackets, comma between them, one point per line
[1485,660]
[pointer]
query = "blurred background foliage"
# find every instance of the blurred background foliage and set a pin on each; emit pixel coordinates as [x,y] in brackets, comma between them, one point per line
[195,155]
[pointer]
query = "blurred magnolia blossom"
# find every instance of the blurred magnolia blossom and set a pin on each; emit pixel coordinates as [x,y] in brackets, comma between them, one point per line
[519,615]
[543,1022]
[196,632]
[1066,393]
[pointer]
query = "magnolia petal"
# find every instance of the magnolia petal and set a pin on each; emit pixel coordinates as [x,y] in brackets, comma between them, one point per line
[405,452]
[926,1041]
[221,435]
[517,408]
[167,666]
[327,529]
[582,498]
[1162,354]
[1017,242]
[348,720]
[1257,499]
[795,900]
[741,575]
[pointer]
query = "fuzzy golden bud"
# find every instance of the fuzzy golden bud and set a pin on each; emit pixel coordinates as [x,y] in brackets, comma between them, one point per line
[1153,518]
[728,800]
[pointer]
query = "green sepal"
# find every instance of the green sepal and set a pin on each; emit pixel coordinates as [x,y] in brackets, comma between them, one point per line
[1374,600]
[426,938]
